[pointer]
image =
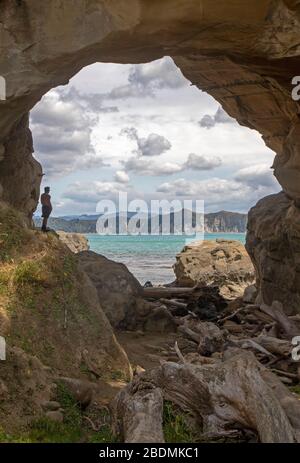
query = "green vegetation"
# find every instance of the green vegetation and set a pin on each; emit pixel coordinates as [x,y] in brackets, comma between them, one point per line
[295,389]
[175,427]
[74,428]
[5,276]
[43,312]
[28,273]
[44,430]
[117,375]
[12,233]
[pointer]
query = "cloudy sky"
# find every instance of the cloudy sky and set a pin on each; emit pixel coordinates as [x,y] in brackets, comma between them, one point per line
[145,130]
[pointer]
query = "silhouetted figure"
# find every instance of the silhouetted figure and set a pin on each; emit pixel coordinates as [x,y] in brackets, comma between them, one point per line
[46,208]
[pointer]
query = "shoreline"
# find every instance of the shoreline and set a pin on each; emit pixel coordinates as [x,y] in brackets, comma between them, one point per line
[150,257]
[167,236]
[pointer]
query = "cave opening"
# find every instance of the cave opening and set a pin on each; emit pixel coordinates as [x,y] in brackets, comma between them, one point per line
[144,130]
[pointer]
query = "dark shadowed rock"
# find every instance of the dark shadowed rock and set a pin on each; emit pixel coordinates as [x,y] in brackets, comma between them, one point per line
[273,242]
[118,290]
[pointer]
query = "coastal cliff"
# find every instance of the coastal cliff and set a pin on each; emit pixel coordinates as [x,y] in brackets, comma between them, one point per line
[216,222]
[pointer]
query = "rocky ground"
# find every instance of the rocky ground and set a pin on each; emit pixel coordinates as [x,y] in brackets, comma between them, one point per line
[200,363]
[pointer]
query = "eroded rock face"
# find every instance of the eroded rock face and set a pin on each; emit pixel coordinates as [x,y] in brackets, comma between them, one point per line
[246,61]
[223,263]
[273,242]
[20,173]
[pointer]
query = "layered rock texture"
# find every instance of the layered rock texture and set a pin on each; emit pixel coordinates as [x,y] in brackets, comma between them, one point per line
[245,55]
[273,242]
[222,263]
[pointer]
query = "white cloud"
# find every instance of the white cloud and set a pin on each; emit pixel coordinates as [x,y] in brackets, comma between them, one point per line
[93,192]
[196,162]
[121,177]
[62,125]
[220,117]
[218,193]
[146,79]
[77,132]
[143,166]
[153,145]
[256,176]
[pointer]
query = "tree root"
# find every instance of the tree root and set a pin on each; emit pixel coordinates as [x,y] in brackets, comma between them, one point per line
[222,398]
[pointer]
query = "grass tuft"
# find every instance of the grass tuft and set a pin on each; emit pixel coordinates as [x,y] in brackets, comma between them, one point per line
[175,426]
[28,273]
[12,233]
[74,428]
[295,389]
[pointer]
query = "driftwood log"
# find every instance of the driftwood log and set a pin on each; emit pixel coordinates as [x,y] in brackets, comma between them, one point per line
[274,345]
[142,415]
[223,398]
[174,303]
[277,313]
[160,292]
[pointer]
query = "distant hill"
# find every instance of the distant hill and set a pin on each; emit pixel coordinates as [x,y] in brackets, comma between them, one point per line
[217,222]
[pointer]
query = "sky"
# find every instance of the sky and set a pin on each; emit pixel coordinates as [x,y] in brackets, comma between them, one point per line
[145,130]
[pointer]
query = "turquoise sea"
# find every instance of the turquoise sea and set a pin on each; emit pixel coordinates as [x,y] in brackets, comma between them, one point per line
[149,258]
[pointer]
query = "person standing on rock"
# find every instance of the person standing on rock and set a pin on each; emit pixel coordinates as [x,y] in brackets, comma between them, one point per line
[46,208]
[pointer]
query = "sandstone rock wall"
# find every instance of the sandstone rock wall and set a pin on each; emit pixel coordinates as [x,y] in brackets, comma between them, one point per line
[246,61]
[20,173]
[273,242]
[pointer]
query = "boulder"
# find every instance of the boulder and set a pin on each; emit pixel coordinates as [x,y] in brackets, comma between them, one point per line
[250,294]
[221,263]
[118,290]
[76,242]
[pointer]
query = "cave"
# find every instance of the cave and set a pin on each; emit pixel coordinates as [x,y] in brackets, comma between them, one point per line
[246,59]
[246,63]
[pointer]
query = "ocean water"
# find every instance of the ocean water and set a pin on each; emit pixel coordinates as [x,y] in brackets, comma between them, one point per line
[149,258]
